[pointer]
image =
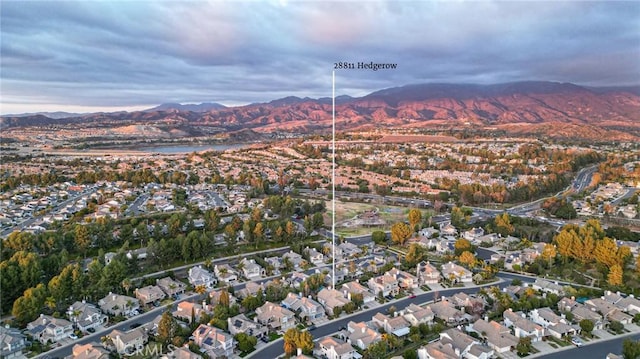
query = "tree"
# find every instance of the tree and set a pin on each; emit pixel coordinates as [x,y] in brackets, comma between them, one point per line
[458,218]
[28,306]
[167,327]
[410,354]
[467,258]
[211,220]
[616,326]
[524,346]
[294,339]
[224,298]
[462,245]
[246,343]
[631,349]
[415,253]
[614,277]
[606,252]
[400,232]
[549,254]
[586,326]
[379,237]
[81,238]
[503,224]
[415,217]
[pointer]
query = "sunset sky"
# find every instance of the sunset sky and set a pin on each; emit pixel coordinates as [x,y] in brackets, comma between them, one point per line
[85,56]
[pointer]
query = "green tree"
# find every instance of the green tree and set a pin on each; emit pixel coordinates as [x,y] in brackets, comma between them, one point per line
[400,232]
[28,306]
[458,217]
[631,349]
[524,346]
[586,326]
[410,354]
[246,343]
[379,237]
[415,254]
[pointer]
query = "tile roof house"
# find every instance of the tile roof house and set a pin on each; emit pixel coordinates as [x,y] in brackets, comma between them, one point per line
[170,286]
[498,337]
[523,327]
[555,325]
[437,350]
[452,271]
[417,315]
[86,316]
[356,288]
[89,351]
[304,306]
[385,284]
[331,298]
[250,288]
[150,294]
[315,257]
[47,329]
[214,341]
[12,342]
[295,259]
[360,335]
[464,345]
[127,343]
[396,325]
[275,317]
[214,297]
[181,353]
[333,348]
[608,311]
[186,310]
[116,304]
[447,311]
[200,276]
[241,324]
[427,273]
[225,273]
[629,305]
[251,269]
[548,286]
[405,280]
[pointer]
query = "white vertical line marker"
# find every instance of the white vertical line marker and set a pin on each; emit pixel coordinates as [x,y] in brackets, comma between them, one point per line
[333,176]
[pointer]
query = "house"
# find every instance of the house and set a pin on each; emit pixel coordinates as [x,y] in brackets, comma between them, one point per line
[446,229]
[47,329]
[250,289]
[437,350]
[128,343]
[582,312]
[333,348]
[214,297]
[629,305]
[456,273]
[297,279]
[417,315]
[463,300]
[251,269]
[523,327]
[275,263]
[427,273]
[498,337]
[463,345]
[473,234]
[116,304]
[355,287]
[241,324]
[275,317]
[86,316]
[608,310]
[214,341]
[548,286]
[152,326]
[12,342]
[405,280]
[89,351]
[304,306]
[447,312]
[170,286]
[225,274]
[396,325]
[294,258]
[187,310]
[360,335]
[385,284]
[181,353]
[555,325]
[150,294]
[348,250]
[331,299]
[315,257]
[200,276]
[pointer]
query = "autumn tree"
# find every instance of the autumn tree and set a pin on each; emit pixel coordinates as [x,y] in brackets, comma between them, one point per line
[549,254]
[606,252]
[294,339]
[461,245]
[614,277]
[503,224]
[28,306]
[400,232]
[81,238]
[467,258]
[458,217]
[167,327]
[415,217]
[415,253]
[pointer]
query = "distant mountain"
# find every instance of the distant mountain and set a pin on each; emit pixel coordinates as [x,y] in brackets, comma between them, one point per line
[536,108]
[54,115]
[202,107]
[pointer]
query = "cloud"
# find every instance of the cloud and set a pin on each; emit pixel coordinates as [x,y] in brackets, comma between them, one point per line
[128,53]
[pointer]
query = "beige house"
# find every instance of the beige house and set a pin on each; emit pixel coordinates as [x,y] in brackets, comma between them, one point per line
[149,294]
[275,317]
[116,304]
[170,286]
[127,343]
[89,351]
[427,273]
[214,341]
[47,329]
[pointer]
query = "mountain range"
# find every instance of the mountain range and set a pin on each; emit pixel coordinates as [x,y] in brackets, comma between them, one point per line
[552,108]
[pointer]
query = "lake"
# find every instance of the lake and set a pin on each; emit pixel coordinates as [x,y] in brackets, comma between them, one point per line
[189,149]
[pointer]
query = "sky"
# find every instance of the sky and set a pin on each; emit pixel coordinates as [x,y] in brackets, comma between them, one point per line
[86,56]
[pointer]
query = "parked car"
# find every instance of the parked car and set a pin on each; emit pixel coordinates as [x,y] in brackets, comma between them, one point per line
[577,342]
[134,325]
[73,336]
[91,330]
